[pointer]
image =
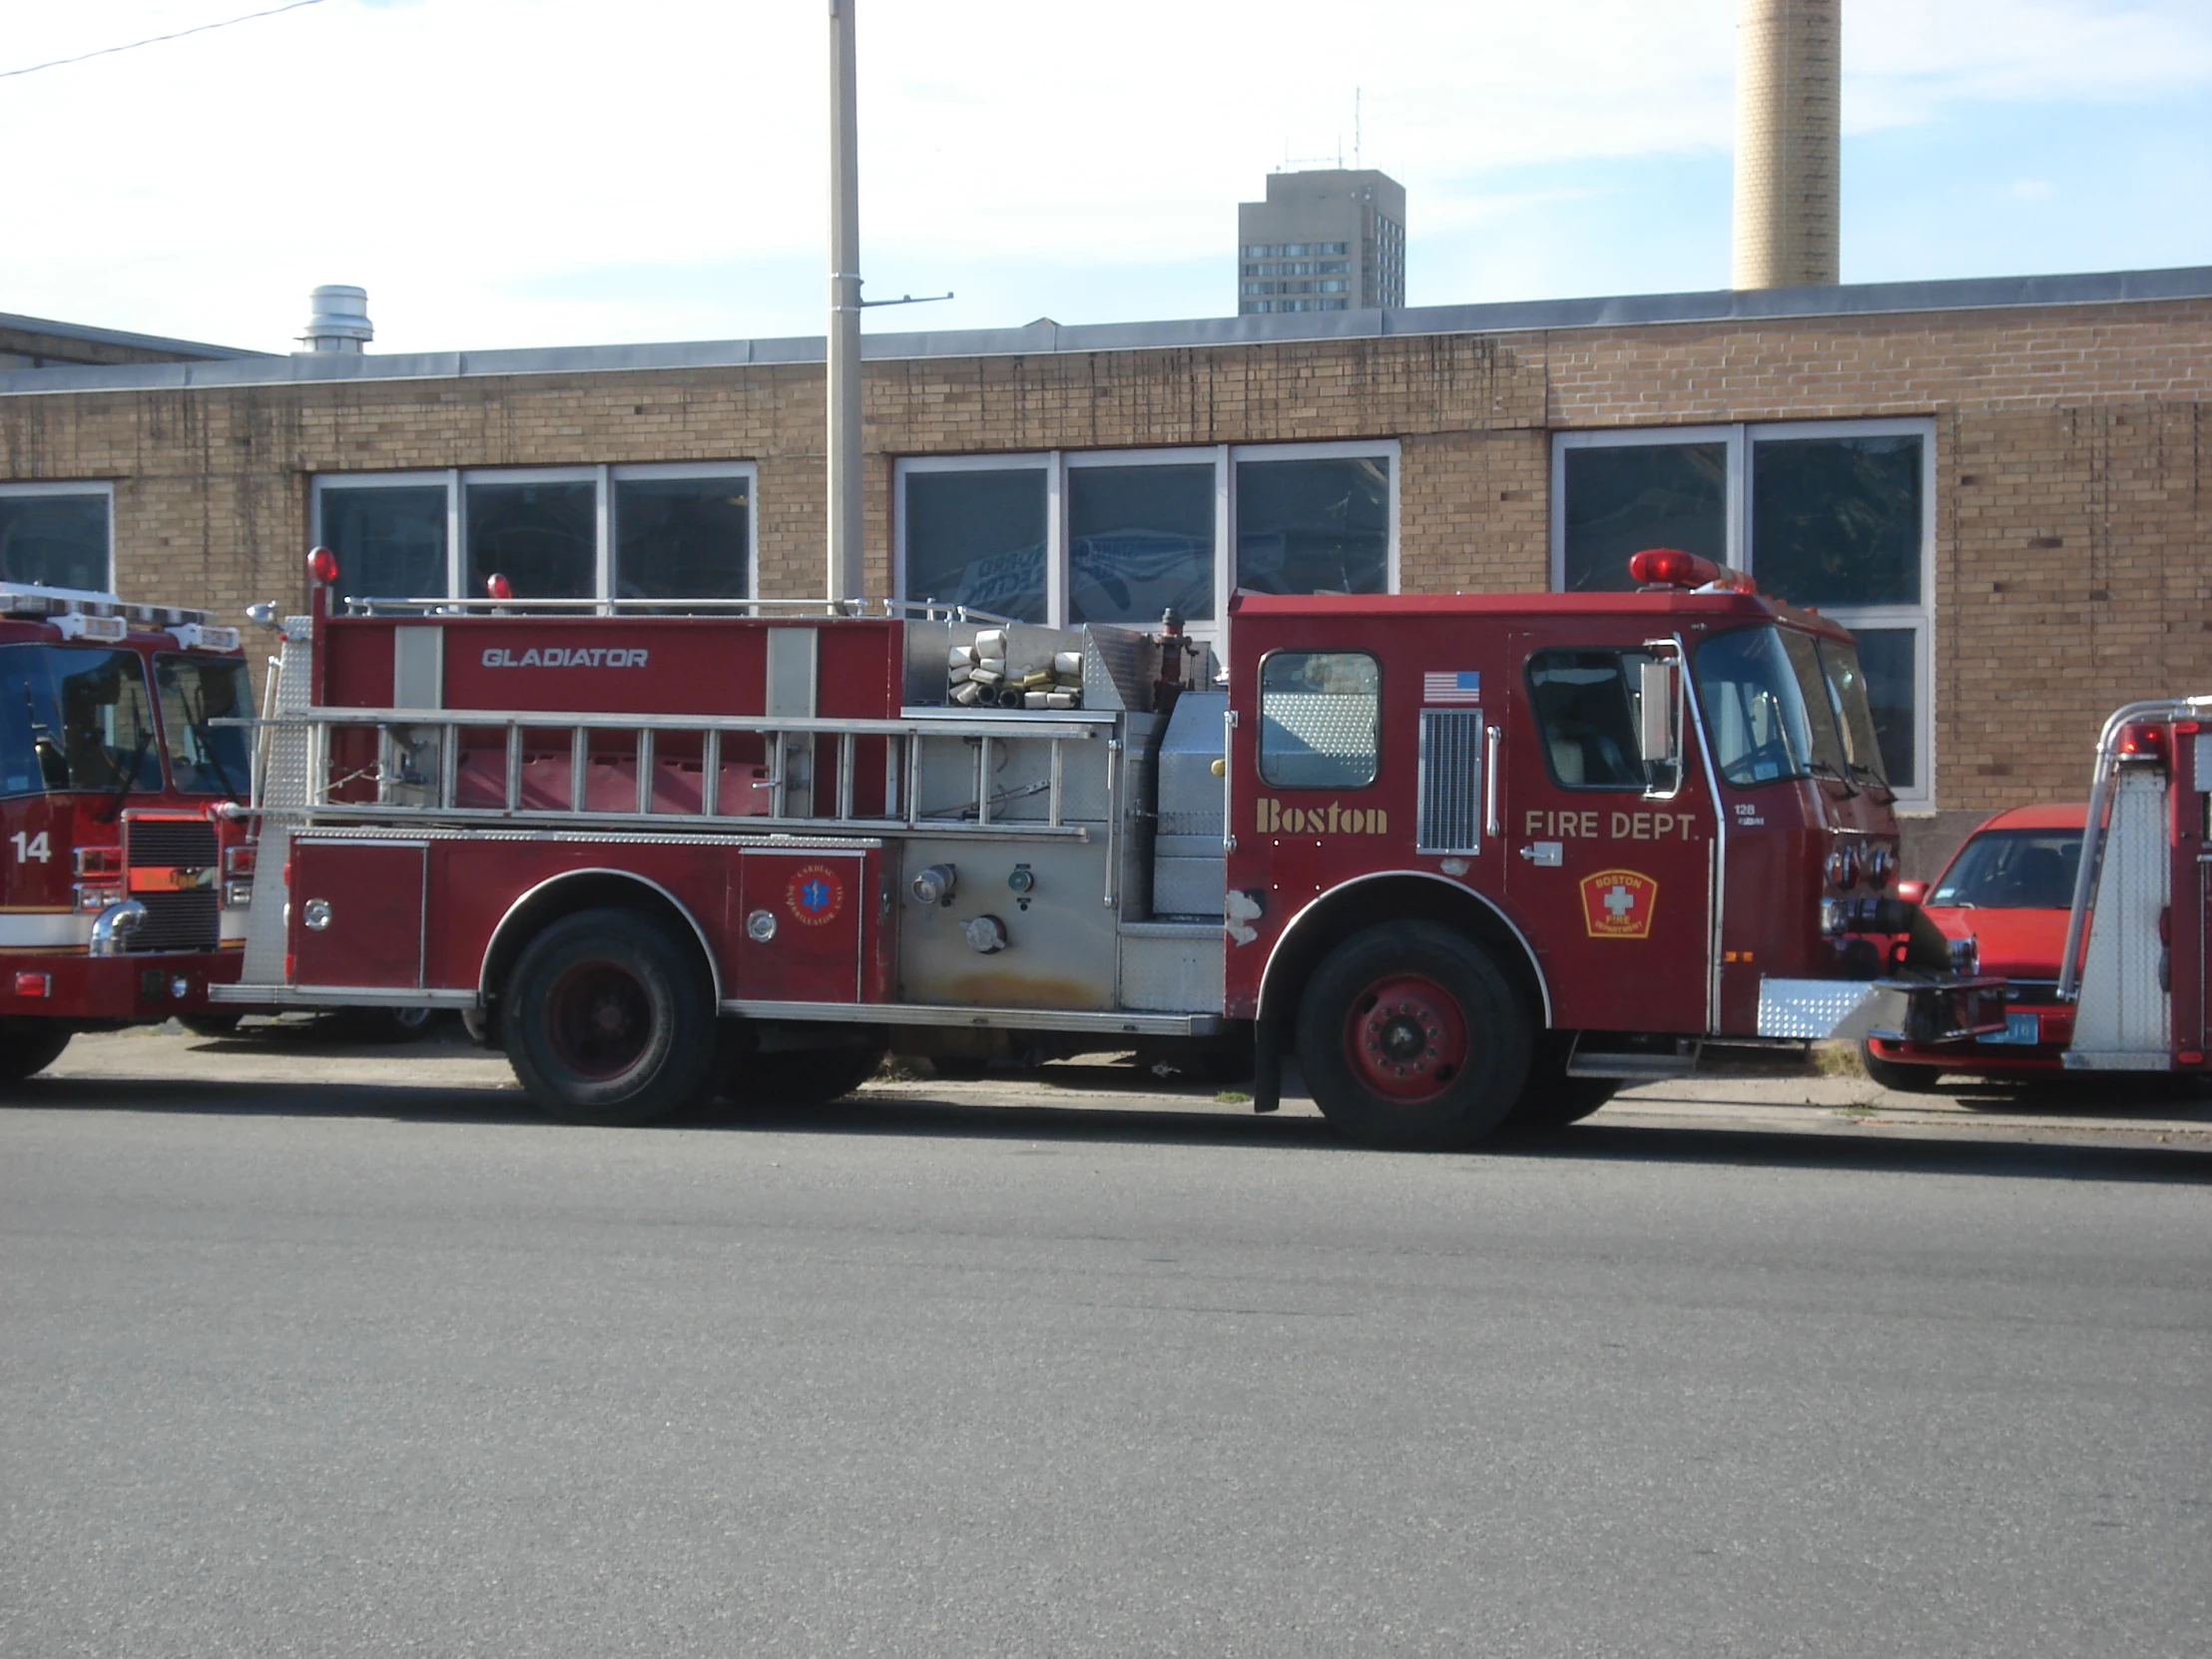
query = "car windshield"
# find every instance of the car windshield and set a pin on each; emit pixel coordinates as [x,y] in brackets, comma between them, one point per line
[75,718]
[2012,869]
[197,692]
[1755,708]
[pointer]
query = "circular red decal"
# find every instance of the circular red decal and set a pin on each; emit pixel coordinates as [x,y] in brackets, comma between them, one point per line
[816,894]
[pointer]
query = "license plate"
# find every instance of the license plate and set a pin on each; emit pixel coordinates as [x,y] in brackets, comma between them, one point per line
[2019,1028]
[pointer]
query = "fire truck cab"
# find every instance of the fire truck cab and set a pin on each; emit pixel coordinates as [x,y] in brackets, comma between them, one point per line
[1471,859]
[123,730]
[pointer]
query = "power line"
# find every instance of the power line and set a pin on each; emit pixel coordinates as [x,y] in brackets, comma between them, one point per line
[156,40]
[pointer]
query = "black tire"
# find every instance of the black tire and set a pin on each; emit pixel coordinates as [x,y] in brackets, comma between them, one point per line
[1411,1036]
[1896,1074]
[801,1076]
[610,1018]
[210,1024]
[29,1046]
[1551,1099]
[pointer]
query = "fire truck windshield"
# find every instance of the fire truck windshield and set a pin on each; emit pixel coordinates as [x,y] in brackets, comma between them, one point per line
[75,718]
[1755,708]
[203,758]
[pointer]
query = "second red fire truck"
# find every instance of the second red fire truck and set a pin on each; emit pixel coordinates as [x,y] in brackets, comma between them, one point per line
[1471,859]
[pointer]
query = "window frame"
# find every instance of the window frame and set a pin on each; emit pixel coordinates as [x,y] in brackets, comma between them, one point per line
[1057,463]
[1740,437]
[101,487]
[602,475]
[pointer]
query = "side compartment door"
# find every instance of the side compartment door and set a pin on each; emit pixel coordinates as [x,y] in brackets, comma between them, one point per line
[800,924]
[1609,859]
[357,913]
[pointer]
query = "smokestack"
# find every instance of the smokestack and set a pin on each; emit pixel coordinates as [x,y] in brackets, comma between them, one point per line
[1789,103]
[337,319]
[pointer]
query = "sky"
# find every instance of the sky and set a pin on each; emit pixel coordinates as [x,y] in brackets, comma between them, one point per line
[517,172]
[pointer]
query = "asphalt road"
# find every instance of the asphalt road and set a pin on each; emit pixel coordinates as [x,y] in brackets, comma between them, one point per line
[380,1364]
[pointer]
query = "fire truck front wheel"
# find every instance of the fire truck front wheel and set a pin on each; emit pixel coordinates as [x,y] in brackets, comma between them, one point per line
[1411,1036]
[610,1019]
[28,1047]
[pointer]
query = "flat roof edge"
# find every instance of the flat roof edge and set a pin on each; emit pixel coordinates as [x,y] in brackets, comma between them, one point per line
[1045,339]
[118,336]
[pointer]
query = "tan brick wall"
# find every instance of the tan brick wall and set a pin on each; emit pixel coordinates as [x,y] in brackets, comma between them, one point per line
[2072,568]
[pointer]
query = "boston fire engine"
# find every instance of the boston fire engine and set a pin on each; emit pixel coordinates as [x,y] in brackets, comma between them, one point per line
[1471,859]
[121,734]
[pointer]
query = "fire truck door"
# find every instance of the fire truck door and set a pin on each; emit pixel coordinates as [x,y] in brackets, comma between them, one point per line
[357,913]
[798,929]
[1607,863]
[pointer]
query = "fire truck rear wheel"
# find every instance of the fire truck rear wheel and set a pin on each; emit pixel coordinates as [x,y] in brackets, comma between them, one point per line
[28,1047]
[610,1019]
[1412,1036]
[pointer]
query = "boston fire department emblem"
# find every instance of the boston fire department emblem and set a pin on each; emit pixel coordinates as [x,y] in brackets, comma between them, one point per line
[816,894]
[1617,905]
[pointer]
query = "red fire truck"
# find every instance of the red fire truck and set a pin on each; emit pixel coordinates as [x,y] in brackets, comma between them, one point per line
[123,732]
[1471,860]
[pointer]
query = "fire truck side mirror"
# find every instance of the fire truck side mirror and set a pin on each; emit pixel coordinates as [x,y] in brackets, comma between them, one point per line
[1662,755]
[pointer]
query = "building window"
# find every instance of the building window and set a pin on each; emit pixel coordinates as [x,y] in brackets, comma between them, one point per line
[675,532]
[1834,514]
[1119,536]
[57,535]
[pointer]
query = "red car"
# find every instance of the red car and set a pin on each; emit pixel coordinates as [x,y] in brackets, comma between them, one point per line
[2009,887]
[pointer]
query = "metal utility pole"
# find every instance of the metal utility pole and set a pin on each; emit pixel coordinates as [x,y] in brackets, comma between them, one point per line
[848,573]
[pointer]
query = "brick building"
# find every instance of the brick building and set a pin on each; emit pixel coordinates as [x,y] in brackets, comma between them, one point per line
[2001,485]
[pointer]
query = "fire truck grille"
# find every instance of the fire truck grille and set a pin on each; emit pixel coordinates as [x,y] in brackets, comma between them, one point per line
[1451,781]
[177,922]
[184,920]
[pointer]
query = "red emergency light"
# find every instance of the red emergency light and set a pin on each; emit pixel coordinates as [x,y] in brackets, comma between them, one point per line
[497,586]
[2143,739]
[323,566]
[1670,567]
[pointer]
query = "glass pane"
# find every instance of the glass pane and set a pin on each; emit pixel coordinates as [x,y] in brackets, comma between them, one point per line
[1318,718]
[977,538]
[2014,869]
[1314,526]
[1836,521]
[106,719]
[59,541]
[29,759]
[1752,710]
[1623,499]
[197,692]
[1588,705]
[390,542]
[682,538]
[1823,709]
[541,537]
[1140,540]
[1846,685]
[1888,656]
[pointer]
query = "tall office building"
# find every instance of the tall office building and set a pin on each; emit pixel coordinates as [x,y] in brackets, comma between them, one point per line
[1327,240]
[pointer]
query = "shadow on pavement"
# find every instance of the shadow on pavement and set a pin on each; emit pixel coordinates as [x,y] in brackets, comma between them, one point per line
[1824,1143]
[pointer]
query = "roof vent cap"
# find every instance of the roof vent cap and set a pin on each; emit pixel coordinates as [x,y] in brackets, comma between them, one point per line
[338,321]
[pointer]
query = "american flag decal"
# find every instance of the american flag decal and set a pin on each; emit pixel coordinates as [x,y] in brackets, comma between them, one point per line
[1452,686]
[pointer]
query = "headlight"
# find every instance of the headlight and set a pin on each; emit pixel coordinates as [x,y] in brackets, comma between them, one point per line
[1842,866]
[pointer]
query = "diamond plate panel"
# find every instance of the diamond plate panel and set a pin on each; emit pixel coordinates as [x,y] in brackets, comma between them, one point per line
[2123,1011]
[1810,1007]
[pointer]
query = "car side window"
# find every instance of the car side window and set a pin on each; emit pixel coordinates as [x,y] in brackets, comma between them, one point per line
[1587,708]
[1320,719]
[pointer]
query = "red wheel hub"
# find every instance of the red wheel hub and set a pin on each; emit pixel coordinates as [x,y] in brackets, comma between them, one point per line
[600,1019]
[1406,1037]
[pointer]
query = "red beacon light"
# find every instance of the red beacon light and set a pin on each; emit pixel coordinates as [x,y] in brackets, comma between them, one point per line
[1670,567]
[497,586]
[2143,740]
[323,566]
